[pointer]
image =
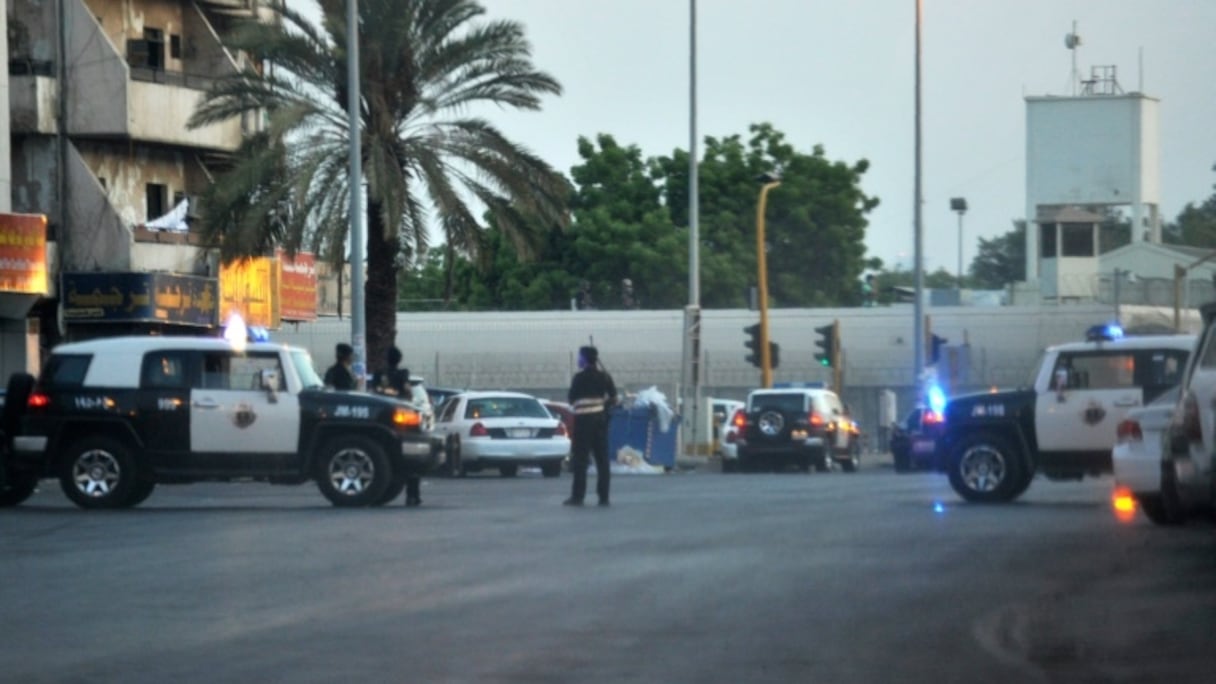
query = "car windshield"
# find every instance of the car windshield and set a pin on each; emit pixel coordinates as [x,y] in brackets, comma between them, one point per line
[505,407]
[308,375]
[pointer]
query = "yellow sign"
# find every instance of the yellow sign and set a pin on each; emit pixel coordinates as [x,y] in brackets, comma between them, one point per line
[251,288]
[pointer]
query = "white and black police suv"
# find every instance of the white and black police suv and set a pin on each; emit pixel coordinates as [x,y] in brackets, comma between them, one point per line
[112,418]
[1064,425]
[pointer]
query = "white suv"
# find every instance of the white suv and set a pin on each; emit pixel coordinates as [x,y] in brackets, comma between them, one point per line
[1188,478]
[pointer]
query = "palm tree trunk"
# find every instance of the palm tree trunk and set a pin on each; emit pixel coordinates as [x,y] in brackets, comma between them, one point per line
[380,292]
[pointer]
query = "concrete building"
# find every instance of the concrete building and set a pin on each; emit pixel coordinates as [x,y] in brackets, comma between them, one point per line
[99,94]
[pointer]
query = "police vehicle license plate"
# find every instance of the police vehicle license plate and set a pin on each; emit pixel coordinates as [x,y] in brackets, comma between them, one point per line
[519,432]
[923,446]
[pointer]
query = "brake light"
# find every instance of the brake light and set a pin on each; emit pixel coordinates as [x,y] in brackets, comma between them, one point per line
[478,430]
[932,418]
[739,420]
[1128,430]
[38,400]
[1190,418]
[814,419]
[561,430]
[403,417]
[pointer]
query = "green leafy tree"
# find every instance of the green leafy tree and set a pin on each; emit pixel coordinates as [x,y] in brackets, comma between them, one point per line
[424,64]
[1196,224]
[1000,260]
[814,225]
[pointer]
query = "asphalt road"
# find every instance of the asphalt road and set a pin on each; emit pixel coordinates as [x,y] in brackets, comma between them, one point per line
[689,577]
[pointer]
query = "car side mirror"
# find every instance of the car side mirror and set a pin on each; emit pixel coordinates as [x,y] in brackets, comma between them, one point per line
[270,383]
[1061,382]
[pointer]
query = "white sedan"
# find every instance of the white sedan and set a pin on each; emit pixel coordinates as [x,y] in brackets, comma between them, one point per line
[1137,459]
[503,430]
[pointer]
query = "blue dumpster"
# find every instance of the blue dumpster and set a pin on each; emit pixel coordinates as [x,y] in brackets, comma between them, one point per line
[638,428]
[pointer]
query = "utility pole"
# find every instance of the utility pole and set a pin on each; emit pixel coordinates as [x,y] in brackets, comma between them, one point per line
[358,324]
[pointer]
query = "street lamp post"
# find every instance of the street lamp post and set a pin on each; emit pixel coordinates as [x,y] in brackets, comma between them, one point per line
[358,325]
[959,204]
[918,332]
[766,368]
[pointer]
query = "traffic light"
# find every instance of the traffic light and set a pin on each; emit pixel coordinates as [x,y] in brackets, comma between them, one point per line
[936,342]
[774,352]
[826,355]
[753,344]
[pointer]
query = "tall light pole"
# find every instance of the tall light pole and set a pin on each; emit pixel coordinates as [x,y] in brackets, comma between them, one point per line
[959,204]
[766,361]
[918,333]
[691,387]
[358,326]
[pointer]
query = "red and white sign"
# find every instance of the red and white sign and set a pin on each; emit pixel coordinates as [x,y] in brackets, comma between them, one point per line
[297,286]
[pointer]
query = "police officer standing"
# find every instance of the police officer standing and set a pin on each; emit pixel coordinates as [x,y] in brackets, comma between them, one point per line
[394,381]
[592,394]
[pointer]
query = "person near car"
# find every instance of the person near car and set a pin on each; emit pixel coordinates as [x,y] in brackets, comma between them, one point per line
[339,375]
[394,381]
[592,395]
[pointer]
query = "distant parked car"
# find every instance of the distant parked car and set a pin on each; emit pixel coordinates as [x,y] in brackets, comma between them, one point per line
[728,440]
[503,430]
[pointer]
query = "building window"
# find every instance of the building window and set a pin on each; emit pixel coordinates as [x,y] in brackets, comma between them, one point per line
[156,196]
[175,46]
[155,38]
[1047,241]
[1077,239]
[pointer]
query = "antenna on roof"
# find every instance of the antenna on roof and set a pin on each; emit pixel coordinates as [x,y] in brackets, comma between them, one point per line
[1072,41]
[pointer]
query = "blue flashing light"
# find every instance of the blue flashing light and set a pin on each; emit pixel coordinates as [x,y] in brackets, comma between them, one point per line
[938,507]
[258,334]
[937,399]
[1104,332]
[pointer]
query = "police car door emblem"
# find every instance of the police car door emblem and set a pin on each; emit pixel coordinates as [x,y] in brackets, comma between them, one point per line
[1093,414]
[244,416]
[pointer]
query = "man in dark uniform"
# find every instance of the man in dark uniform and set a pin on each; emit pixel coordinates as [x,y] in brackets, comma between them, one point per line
[339,375]
[395,382]
[592,395]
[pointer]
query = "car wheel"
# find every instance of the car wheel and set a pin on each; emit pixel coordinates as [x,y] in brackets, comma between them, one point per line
[140,493]
[804,463]
[508,470]
[551,469]
[353,471]
[853,462]
[903,462]
[985,468]
[823,462]
[1156,510]
[452,465]
[17,488]
[99,472]
[394,488]
[729,465]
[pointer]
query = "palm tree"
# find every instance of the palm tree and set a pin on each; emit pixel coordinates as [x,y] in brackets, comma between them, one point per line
[424,65]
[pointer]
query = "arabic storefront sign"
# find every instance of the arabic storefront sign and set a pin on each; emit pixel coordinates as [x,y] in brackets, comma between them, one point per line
[141,297]
[297,286]
[23,253]
[251,288]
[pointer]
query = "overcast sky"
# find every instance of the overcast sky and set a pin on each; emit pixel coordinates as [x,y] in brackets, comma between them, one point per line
[840,73]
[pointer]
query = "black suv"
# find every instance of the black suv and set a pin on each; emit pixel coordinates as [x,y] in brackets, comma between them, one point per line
[112,418]
[800,427]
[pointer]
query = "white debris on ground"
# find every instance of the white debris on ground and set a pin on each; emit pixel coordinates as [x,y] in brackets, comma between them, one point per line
[630,460]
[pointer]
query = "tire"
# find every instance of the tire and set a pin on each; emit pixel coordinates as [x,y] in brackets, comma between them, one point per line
[823,462]
[804,464]
[986,468]
[853,462]
[99,472]
[140,493]
[1157,511]
[551,469]
[353,471]
[508,470]
[729,465]
[394,489]
[17,488]
[903,462]
[451,464]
